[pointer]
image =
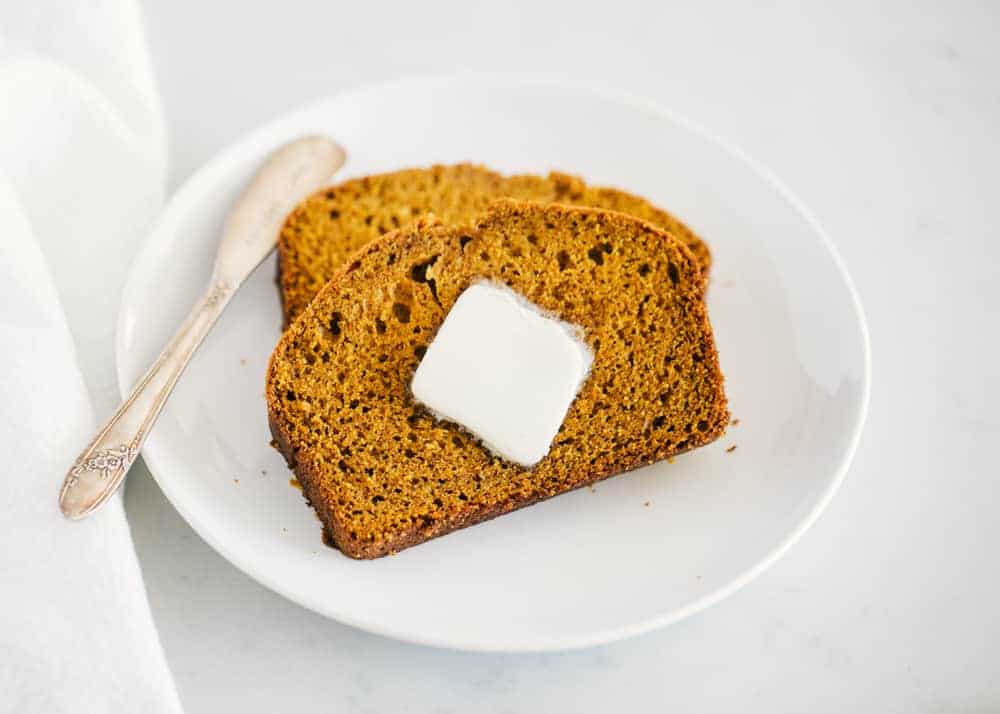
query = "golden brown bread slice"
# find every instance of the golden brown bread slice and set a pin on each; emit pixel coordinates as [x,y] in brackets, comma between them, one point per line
[332,224]
[383,474]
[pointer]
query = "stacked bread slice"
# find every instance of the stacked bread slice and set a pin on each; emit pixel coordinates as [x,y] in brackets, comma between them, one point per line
[330,226]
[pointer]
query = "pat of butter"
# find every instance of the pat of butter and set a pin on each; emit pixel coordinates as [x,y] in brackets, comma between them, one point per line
[503,370]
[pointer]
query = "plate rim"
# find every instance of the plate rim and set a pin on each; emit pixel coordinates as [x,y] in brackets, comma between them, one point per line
[598,91]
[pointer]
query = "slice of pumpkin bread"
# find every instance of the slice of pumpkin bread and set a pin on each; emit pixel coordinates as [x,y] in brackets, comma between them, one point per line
[383,474]
[333,223]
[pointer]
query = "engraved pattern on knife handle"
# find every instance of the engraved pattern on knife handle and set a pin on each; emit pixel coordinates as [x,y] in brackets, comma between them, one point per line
[109,463]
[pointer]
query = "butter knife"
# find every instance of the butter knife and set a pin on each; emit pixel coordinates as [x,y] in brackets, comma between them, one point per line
[291,173]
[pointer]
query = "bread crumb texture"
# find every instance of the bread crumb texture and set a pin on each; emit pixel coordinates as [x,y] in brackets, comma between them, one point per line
[327,228]
[383,474]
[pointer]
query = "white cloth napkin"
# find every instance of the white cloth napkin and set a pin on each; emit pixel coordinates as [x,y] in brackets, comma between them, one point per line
[82,170]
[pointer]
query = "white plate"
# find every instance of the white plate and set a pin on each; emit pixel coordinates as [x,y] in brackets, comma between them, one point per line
[637,552]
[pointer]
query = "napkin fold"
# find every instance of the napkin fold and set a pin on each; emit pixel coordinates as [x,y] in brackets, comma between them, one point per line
[82,173]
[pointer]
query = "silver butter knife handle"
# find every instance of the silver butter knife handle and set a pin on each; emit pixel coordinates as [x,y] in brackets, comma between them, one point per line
[101,467]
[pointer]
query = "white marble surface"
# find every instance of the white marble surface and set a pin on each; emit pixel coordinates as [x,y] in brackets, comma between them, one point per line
[885,121]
